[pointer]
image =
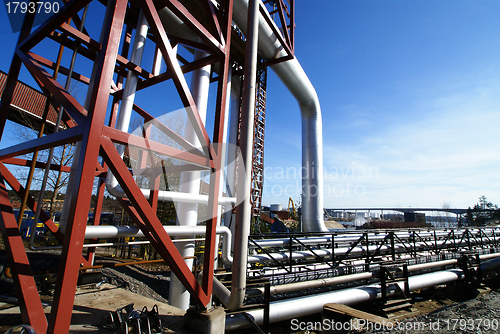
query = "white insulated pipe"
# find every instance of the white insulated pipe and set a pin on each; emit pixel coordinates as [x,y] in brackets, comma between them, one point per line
[234,299]
[111,231]
[232,148]
[308,305]
[293,76]
[123,123]
[187,213]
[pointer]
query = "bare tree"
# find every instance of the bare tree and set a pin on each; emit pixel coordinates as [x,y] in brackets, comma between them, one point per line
[27,129]
[57,179]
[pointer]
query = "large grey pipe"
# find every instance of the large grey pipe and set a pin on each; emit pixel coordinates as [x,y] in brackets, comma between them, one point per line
[303,306]
[293,76]
[234,300]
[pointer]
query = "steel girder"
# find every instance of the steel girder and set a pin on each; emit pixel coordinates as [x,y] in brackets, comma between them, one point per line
[86,125]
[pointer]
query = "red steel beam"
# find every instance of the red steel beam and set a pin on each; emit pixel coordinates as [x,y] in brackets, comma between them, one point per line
[32,204]
[77,112]
[184,68]
[125,138]
[166,130]
[68,136]
[27,292]
[215,176]
[178,9]
[152,228]
[97,138]
[69,10]
[60,315]
[213,20]
[180,83]
[39,164]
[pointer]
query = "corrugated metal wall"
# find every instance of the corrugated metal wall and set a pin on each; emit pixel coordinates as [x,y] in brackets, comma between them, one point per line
[28,100]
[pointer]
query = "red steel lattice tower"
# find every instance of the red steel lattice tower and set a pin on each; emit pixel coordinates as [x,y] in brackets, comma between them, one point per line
[105,44]
[92,126]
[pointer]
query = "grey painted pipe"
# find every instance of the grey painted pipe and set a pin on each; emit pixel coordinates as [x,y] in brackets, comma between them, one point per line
[346,278]
[343,278]
[490,265]
[293,76]
[308,305]
[234,299]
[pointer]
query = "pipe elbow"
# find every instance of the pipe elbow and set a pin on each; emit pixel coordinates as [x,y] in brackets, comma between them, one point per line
[233,299]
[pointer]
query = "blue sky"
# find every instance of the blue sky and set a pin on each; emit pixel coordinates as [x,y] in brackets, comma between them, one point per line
[410,96]
[409,92]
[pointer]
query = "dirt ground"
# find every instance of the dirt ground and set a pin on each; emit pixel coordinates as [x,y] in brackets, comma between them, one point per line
[478,315]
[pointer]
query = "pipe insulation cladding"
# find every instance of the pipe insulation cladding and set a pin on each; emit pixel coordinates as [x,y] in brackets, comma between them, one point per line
[293,76]
[308,305]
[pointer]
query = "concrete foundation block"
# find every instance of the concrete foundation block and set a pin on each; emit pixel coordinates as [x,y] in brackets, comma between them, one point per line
[206,322]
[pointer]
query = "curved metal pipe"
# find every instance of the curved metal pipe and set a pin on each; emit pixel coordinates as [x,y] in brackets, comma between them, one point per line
[293,76]
[111,231]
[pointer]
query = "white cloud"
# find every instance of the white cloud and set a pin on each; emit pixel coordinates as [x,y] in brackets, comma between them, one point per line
[450,154]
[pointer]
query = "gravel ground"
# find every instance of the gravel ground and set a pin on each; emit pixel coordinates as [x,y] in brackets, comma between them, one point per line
[151,281]
[479,315]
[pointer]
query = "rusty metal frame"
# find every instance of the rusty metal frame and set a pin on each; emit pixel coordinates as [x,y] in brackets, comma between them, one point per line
[86,126]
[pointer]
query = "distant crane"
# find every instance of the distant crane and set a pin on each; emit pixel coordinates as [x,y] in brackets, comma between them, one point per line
[293,212]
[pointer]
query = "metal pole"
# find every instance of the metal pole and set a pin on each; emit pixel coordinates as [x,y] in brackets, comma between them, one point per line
[243,210]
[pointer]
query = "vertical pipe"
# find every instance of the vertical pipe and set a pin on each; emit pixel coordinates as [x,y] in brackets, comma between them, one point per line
[187,213]
[243,210]
[224,149]
[232,148]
